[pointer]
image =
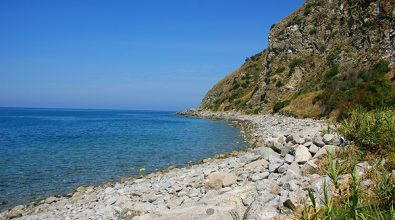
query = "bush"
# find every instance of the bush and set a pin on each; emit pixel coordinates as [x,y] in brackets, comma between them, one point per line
[294,63]
[332,72]
[280,105]
[373,131]
[369,89]
[279,84]
[280,70]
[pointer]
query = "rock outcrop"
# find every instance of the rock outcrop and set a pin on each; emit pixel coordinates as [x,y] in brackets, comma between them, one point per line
[348,34]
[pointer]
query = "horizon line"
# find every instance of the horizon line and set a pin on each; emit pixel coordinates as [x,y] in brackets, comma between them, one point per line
[84,109]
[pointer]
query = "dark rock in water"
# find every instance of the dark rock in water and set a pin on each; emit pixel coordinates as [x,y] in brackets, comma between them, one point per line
[2,203]
[289,204]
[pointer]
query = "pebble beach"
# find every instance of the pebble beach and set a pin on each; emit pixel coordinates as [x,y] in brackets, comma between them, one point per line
[266,181]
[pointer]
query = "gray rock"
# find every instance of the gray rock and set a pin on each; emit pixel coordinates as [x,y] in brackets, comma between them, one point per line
[274,163]
[332,139]
[217,180]
[302,154]
[313,149]
[259,176]
[281,140]
[51,199]
[321,153]
[258,163]
[266,152]
[309,168]
[15,212]
[317,140]
[299,140]
[263,208]
[174,203]
[277,146]
[289,158]
[290,138]
[248,158]
[282,168]
[293,171]
[229,179]
[308,144]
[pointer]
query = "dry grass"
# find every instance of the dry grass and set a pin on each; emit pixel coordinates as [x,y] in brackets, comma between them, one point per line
[303,106]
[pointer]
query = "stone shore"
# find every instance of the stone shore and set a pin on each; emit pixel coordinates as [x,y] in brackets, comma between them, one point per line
[266,181]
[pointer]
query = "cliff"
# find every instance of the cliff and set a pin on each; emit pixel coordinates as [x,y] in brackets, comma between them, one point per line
[321,39]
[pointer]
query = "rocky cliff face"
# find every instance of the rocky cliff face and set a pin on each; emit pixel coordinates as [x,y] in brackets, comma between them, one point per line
[320,35]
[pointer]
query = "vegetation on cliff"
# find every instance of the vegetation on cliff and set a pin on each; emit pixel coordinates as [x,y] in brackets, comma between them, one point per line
[321,59]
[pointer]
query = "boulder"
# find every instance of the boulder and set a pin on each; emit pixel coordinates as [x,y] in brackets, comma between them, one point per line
[217,180]
[259,176]
[321,153]
[331,139]
[258,163]
[309,168]
[293,171]
[266,152]
[289,158]
[174,203]
[17,211]
[264,207]
[317,140]
[302,154]
[299,140]
[313,149]
[275,163]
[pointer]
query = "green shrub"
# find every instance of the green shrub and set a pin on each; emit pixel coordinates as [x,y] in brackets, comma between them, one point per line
[280,105]
[373,130]
[369,89]
[313,31]
[279,84]
[280,70]
[308,8]
[255,111]
[332,72]
[294,63]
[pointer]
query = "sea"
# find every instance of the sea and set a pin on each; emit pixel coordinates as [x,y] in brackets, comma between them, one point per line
[46,152]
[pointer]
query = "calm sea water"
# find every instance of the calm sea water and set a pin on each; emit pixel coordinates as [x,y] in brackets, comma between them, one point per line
[52,151]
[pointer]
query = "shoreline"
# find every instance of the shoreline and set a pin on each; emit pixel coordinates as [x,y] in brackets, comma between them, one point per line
[122,200]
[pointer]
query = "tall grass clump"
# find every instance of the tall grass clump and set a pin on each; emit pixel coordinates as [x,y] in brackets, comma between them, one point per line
[351,199]
[373,131]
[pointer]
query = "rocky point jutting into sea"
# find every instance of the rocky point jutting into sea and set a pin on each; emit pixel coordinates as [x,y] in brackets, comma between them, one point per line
[266,181]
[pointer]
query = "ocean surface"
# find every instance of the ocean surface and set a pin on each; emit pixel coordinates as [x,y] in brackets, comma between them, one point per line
[46,152]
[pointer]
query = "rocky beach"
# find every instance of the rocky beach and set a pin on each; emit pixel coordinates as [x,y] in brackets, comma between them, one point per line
[266,181]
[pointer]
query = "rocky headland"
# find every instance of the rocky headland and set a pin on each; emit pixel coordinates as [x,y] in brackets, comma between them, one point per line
[266,181]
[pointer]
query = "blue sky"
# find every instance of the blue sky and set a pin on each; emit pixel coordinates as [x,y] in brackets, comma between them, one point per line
[126,54]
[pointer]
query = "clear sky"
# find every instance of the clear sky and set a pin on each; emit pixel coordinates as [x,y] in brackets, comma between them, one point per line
[126,54]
